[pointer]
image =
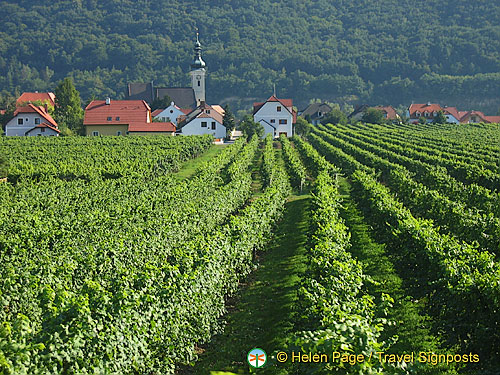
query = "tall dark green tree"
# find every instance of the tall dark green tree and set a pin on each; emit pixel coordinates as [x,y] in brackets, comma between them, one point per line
[228,121]
[373,116]
[161,103]
[440,118]
[302,126]
[68,111]
[249,127]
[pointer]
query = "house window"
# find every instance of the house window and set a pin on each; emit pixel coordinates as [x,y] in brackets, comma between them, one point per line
[417,114]
[319,114]
[207,111]
[426,114]
[37,121]
[283,121]
[117,118]
[42,130]
[20,121]
[110,118]
[203,124]
[26,119]
[118,133]
[273,121]
[95,133]
[171,111]
[213,125]
[278,109]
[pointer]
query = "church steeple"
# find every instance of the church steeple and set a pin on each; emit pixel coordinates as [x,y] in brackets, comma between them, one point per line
[198,73]
[198,62]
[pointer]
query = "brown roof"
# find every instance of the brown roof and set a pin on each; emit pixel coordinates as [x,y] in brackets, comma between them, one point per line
[181,96]
[29,97]
[152,127]
[313,109]
[156,112]
[200,112]
[452,111]
[128,112]
[140,91]
[30,108]
[493,119]
[287,103]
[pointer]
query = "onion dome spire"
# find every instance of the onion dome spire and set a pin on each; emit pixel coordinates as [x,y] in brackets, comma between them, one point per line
[198,62]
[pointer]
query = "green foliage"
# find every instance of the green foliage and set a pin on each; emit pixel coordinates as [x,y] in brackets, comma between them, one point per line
[335,116]
[348,49]
[161,103]
[373,116]
[250,128]
[68,111]
[296,169]
[228,121]
[422,120]
[3,166]
[440,118]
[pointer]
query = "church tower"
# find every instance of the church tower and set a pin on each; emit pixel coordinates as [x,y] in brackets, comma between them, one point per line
[198,73]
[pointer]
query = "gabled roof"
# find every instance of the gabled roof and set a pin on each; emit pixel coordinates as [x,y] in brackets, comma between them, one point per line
[200,112]
[181,96]
[156,112]
[128,112]
[44,125]
[287,103]
[452,111]
[29,97]
[389,110]
[429,107]
[493,119]
[160,127]
[313,109]
[140,91]
[30,108]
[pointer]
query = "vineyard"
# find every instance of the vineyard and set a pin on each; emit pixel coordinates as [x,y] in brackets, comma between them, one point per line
[170,255]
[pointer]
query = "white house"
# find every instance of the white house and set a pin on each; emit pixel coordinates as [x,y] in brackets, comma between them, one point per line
[277,116]
[31,120]
[206,119]
[170,114]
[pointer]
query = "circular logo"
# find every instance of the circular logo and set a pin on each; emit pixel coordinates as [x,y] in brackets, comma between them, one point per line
[257,358]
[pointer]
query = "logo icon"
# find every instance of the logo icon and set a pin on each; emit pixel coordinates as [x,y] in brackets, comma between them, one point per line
[257,358]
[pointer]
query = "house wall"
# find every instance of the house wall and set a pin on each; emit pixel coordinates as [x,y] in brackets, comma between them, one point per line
[13,129]
[268,129]
[47,133]
[194,128]
[269,112]
[170,112]
[106,129]
[451,119]
[152,133]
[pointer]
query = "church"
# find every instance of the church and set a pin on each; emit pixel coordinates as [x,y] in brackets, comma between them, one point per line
[184,97]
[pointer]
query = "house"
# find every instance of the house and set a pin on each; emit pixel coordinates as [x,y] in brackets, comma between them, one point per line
[388,111]
[170,114]
[184,97]
[277,116]
[205,119]
[471,117]
[32,120]
[315,112]
[152,128]
[430,110]
[113,117]
[31,97]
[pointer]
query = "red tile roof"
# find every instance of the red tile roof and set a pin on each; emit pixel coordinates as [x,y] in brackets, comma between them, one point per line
[30,108]
[389,111]
[186,111]
[152,127]
[451,111]
[156,112]
[128,111]
[493,119]
[2,111]
[423,108]
[28,97]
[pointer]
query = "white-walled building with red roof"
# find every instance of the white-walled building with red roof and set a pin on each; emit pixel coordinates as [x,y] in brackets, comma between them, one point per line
[206,119]
[32,120]
[170,114]
[277,116]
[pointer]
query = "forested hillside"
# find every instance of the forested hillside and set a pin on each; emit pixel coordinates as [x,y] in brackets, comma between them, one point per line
[374,51]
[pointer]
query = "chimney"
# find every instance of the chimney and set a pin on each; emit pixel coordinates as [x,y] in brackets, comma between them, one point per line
[108,101]
[202,103]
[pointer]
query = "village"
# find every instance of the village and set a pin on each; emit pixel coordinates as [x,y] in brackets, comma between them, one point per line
[189,114]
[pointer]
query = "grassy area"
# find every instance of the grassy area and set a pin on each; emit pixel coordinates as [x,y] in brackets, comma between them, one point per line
[189,167]
[412,326]
[262,314]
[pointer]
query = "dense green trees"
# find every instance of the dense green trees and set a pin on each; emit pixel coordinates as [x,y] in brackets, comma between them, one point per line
[68,111]
[335,50]
[373,116]
[249,127]
[335,116]
[229,121]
